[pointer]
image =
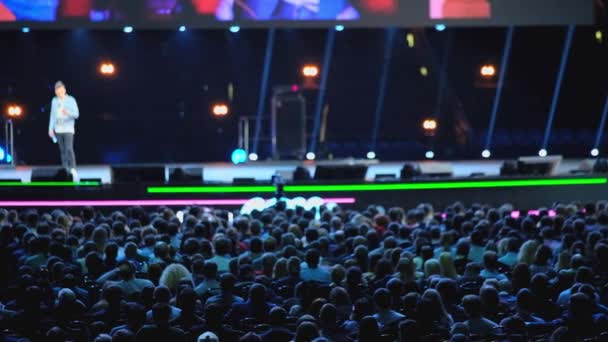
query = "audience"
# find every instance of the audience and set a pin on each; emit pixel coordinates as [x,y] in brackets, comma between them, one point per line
[290,274]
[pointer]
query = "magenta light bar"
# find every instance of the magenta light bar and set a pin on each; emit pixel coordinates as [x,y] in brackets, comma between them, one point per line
[143,203]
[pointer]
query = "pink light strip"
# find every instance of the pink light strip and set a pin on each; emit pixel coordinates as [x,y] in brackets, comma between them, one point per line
[143,203]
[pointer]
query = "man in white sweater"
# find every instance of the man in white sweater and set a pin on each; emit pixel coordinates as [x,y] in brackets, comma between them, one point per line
[64,112]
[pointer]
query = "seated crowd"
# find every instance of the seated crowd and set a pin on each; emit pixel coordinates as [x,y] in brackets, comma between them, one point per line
[461,274]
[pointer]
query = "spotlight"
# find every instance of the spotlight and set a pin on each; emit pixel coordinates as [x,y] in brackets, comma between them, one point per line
[127,29]
[542,152]
[411,40]
[440,27]
[595,152]
[429,124]
[486,154]
[371,155]
[235,29]
[599,36]
[25,29]
[310,156]
[487,71]
[424,71]
[253,156]
[429,154]
[238,156]
[182,28]
[2,154]
[310,71]
[14,111]
[220,109]
[107,69]
[9,158]
[339,28]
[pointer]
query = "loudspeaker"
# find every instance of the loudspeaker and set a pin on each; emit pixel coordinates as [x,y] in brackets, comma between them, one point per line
[51,174]
[436,169]
[509,168]
[185,175]
[288,125]
[601,166]
[138,174]
[540,166]
[301,174]
[341,172]
[410,171]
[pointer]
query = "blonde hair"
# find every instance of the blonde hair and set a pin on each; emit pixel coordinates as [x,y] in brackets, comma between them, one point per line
[446,265]
[173,275]
[432,267]
[527,252]
[280,269]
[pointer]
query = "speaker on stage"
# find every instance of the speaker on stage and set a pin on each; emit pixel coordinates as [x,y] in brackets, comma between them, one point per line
[51,174]
[138,174]
[185,175]
[410,171]
[341,172]
[538,166]
[288,126]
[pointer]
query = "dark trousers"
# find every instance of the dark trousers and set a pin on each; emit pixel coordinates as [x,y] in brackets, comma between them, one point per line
[66,148]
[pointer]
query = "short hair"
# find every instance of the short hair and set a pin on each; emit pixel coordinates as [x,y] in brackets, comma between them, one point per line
[472,305]
[59,84]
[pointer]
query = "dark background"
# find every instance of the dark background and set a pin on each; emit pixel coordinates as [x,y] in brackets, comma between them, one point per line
[158,107]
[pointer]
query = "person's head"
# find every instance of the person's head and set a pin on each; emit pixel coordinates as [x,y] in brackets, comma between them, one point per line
[162,294]
[103,338]
[525,300]
[293,266]
[543,255]
[312,258]
[161,313]
[432,302]
[257,293]
[527,252]
[472,306]
[431,267]
[227,282]
[136,315]
[339,296]
[448,289]
[306,332]
[173,275]
[368,329]
[207,337]
[328,316]
[277,316]
[447,266]
[490,261]
[338,272]
[60,90]
[250,337]
[513,326]
[382,299]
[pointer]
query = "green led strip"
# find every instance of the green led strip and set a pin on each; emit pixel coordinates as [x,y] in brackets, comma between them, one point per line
[210,189]
[48,184]
[385,187]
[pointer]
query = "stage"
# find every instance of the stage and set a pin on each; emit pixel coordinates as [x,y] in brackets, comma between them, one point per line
[470,181]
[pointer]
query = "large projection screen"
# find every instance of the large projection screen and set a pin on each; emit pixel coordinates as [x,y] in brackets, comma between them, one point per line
[291,13]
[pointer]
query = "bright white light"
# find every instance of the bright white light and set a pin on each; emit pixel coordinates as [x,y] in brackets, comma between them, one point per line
[429,154]
[595,152]
[253,156]
[542,152]
[25,30]
[311,156]
[440,27]
[127,29]
[486,153]
[235,29]
[371,155]
[339,28]
[182,28]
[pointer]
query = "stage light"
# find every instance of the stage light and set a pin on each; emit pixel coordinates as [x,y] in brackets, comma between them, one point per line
[542,152]
[127,29]
[411,40]
[9,158]
[310,71]
[14,111]
[220,109]
[253,156]
[235,29]
[2,154]
[599,36]
[440,27]
[295,88]
[182,28]
[595,152]
[238,156]
[25,29]
[107,69]
[429,124]
[424,71]
[339,28]
[311,156]
[486,154]
[487,71]
[371,155]
[429,154]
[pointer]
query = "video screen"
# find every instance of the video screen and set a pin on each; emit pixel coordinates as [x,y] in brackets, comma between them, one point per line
[361,13]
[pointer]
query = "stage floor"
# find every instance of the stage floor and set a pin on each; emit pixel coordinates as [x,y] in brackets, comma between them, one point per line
[264,170]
